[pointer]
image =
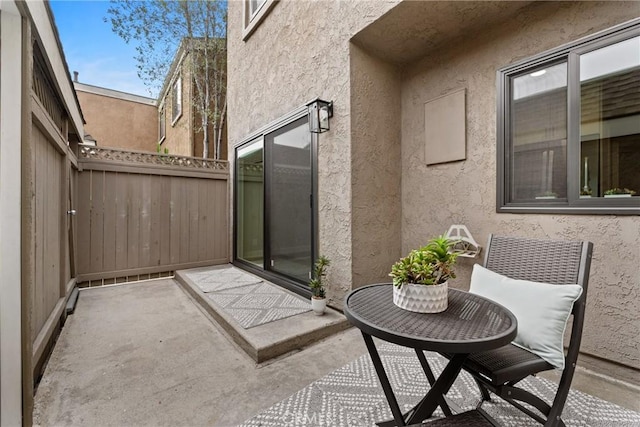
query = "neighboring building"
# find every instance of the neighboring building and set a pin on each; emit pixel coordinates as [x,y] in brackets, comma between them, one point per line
[417,144]
[117,119]
[41,125]
[180,130]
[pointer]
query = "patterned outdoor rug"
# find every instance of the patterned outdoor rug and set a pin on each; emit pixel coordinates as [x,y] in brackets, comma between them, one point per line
[352,396]
[247,298]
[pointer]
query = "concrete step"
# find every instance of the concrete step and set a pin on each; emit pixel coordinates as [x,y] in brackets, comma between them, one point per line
[268,340]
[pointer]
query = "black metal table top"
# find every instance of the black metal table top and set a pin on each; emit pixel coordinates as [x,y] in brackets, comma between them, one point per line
[470,324]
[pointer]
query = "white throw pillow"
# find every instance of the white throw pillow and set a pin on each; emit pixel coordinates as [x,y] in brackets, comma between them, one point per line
[542,310]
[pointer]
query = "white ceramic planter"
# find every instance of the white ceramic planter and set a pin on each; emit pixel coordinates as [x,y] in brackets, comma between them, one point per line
[318,305]
[422,298]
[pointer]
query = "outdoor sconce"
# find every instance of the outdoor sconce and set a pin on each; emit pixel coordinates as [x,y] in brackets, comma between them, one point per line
[319,114]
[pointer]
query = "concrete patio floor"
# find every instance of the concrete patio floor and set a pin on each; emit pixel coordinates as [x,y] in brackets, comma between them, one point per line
[145,354]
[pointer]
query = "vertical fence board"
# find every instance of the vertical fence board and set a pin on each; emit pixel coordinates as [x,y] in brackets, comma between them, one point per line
[110,218]
[53,235]
[174,203]
[133,216]
[121,228]
[97,220]
[194,233]
[221,215]
[145,220]
[83,220]
[184,221]
[204,218]
[155,231]
[38,291]
[165,220]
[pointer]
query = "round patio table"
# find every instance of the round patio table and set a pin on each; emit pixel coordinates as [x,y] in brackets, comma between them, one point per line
[470,324]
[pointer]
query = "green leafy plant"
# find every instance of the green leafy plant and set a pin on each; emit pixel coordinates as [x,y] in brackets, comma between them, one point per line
[612,191]
[319,273]
[429,265]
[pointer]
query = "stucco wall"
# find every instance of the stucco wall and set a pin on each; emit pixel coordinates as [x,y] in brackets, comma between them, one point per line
[303,50]
[465,192]
[118,123]
[300,52]
[375,167]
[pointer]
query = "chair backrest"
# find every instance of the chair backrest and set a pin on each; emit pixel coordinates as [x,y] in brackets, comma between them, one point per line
[548,261]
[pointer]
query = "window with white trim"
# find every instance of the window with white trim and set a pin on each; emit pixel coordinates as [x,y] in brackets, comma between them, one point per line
[569,128]
[161,124]
[176,100]
[254,7]
[254,12]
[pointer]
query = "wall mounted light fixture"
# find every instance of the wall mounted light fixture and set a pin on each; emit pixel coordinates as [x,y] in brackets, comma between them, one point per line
[319,114]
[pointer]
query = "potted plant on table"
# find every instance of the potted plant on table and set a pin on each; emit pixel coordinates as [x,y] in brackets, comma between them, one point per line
[420,278]
[318,297]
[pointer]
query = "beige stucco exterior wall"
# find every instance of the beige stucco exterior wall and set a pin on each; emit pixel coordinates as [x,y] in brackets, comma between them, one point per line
[375,173]
[300,52]
[465,192]
[119,123]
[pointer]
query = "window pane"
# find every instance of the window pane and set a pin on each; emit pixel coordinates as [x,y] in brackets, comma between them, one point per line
[161,124]
[176,100]
[538,127]
[610,119]
[254,5]
[250,202]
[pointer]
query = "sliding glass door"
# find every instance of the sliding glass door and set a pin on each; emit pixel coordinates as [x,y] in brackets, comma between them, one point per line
[289,188]
[274,202]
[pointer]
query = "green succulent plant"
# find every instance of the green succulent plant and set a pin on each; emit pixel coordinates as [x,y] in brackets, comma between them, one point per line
[319,272]
[429,265]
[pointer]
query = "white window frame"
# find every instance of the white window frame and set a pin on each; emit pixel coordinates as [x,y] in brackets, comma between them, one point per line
[162,123]
[176,100]
[573,204]
[253,18]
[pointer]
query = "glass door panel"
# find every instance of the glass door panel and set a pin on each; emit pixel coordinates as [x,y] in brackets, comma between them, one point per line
[290,189]
[250,203]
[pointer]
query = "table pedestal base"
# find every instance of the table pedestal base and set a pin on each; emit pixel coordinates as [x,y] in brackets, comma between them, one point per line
[434,398]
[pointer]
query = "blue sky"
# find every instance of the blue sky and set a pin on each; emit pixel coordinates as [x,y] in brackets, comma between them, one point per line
[91,48]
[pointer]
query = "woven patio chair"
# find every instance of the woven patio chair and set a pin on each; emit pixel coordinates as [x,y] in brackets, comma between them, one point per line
[499,371]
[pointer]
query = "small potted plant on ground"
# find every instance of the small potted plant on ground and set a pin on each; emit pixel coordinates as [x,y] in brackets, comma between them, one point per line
[318,297]
[420,278]
[619,192]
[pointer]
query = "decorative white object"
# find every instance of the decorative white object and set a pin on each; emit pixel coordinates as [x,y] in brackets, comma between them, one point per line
[542,310]
[318,305]
[422,298]
[465,245]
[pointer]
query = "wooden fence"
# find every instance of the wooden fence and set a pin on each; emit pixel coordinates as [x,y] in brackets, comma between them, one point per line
[142,215]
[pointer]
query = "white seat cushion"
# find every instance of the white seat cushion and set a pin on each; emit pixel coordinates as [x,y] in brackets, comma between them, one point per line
[542,310]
